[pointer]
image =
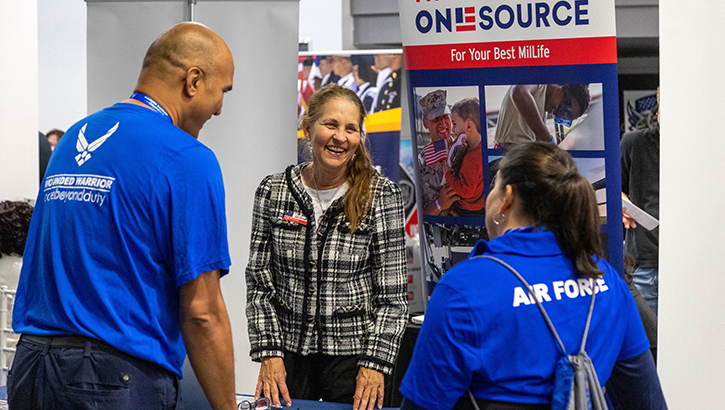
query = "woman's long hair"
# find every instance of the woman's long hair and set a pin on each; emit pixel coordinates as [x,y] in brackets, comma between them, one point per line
[360,171]
[554,195]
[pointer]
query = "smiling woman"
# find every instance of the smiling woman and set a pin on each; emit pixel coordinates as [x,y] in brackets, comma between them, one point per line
[326,282]
[333,128]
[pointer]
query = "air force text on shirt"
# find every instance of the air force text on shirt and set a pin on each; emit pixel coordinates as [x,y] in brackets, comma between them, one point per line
[83,188]
[570,288]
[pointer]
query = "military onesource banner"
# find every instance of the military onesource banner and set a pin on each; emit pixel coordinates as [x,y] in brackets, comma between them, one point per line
[520,71]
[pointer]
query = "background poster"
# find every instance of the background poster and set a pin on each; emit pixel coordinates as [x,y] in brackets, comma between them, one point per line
[639,109]
[459,55]
[376,77]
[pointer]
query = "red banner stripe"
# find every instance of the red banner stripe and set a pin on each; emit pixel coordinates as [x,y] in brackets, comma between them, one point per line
[570,51]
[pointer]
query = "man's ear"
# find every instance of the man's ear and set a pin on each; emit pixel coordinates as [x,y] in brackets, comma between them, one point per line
[192,81]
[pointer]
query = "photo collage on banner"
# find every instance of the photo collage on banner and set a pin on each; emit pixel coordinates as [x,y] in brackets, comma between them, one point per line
[485,76]
[376,77]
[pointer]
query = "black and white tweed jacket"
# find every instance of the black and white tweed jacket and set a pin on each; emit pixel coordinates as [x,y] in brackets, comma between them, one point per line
[326,290]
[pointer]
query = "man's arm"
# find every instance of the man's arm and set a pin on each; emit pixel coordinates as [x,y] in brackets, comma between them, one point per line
[523,98]
[207,335]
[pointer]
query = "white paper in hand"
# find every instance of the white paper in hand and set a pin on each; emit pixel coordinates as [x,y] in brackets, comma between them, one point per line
[643,218]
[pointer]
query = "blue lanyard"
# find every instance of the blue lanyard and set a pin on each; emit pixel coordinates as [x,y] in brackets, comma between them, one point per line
[151,103]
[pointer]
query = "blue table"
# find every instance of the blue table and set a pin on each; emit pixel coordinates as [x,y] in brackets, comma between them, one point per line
[306,404]
[193,396]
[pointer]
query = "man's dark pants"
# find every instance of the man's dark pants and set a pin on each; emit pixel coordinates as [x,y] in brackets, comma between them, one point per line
[72,372]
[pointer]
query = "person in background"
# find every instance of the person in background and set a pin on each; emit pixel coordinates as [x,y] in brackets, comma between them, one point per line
[364,77]
[543,221]
[522,117]
[640,152]
[44,152]
[326,279]
[326,66]
[389,68]
[343,67]
[126,246]
[54,137]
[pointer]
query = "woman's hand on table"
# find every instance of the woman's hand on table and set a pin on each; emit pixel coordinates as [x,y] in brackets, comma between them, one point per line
[370,388]
[272,381]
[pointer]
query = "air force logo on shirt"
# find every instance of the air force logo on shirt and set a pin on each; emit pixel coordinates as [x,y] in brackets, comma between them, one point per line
[74,188]
[85,149]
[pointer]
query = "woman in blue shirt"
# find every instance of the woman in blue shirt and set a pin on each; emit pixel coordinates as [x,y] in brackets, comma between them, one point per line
[484,333]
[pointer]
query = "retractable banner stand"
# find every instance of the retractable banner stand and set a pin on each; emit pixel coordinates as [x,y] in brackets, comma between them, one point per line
[486,75]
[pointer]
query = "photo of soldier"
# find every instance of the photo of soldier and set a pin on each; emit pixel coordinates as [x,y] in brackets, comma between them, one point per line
[389,68]
[365,77]
[451,164]
[434,155]
[342,66]
[448,141]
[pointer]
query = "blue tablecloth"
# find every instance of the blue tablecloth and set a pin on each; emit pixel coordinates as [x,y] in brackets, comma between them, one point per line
[307,404]
[193,396]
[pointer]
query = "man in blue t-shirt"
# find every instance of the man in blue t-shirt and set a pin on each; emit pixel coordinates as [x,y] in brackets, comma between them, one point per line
[126,246]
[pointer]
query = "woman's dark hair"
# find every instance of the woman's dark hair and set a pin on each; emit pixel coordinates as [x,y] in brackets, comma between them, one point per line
[554,195]
[14,224]
[360,171]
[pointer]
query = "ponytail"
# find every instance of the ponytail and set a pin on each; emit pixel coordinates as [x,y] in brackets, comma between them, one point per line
[554,195]
[359,175]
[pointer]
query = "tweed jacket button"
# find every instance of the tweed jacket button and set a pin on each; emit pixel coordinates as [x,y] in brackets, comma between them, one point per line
[311,290]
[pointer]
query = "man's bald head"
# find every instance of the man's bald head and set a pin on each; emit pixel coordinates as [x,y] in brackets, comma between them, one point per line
[187,70]
[182,46]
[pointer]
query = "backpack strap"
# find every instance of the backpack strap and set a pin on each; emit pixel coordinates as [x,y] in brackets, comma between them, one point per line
[541,307]
[589,320]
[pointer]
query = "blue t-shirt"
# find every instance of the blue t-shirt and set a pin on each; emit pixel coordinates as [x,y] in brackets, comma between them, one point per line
[131,208]
[483,332]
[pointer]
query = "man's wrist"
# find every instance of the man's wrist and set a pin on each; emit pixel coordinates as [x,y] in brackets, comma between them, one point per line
[438,205]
